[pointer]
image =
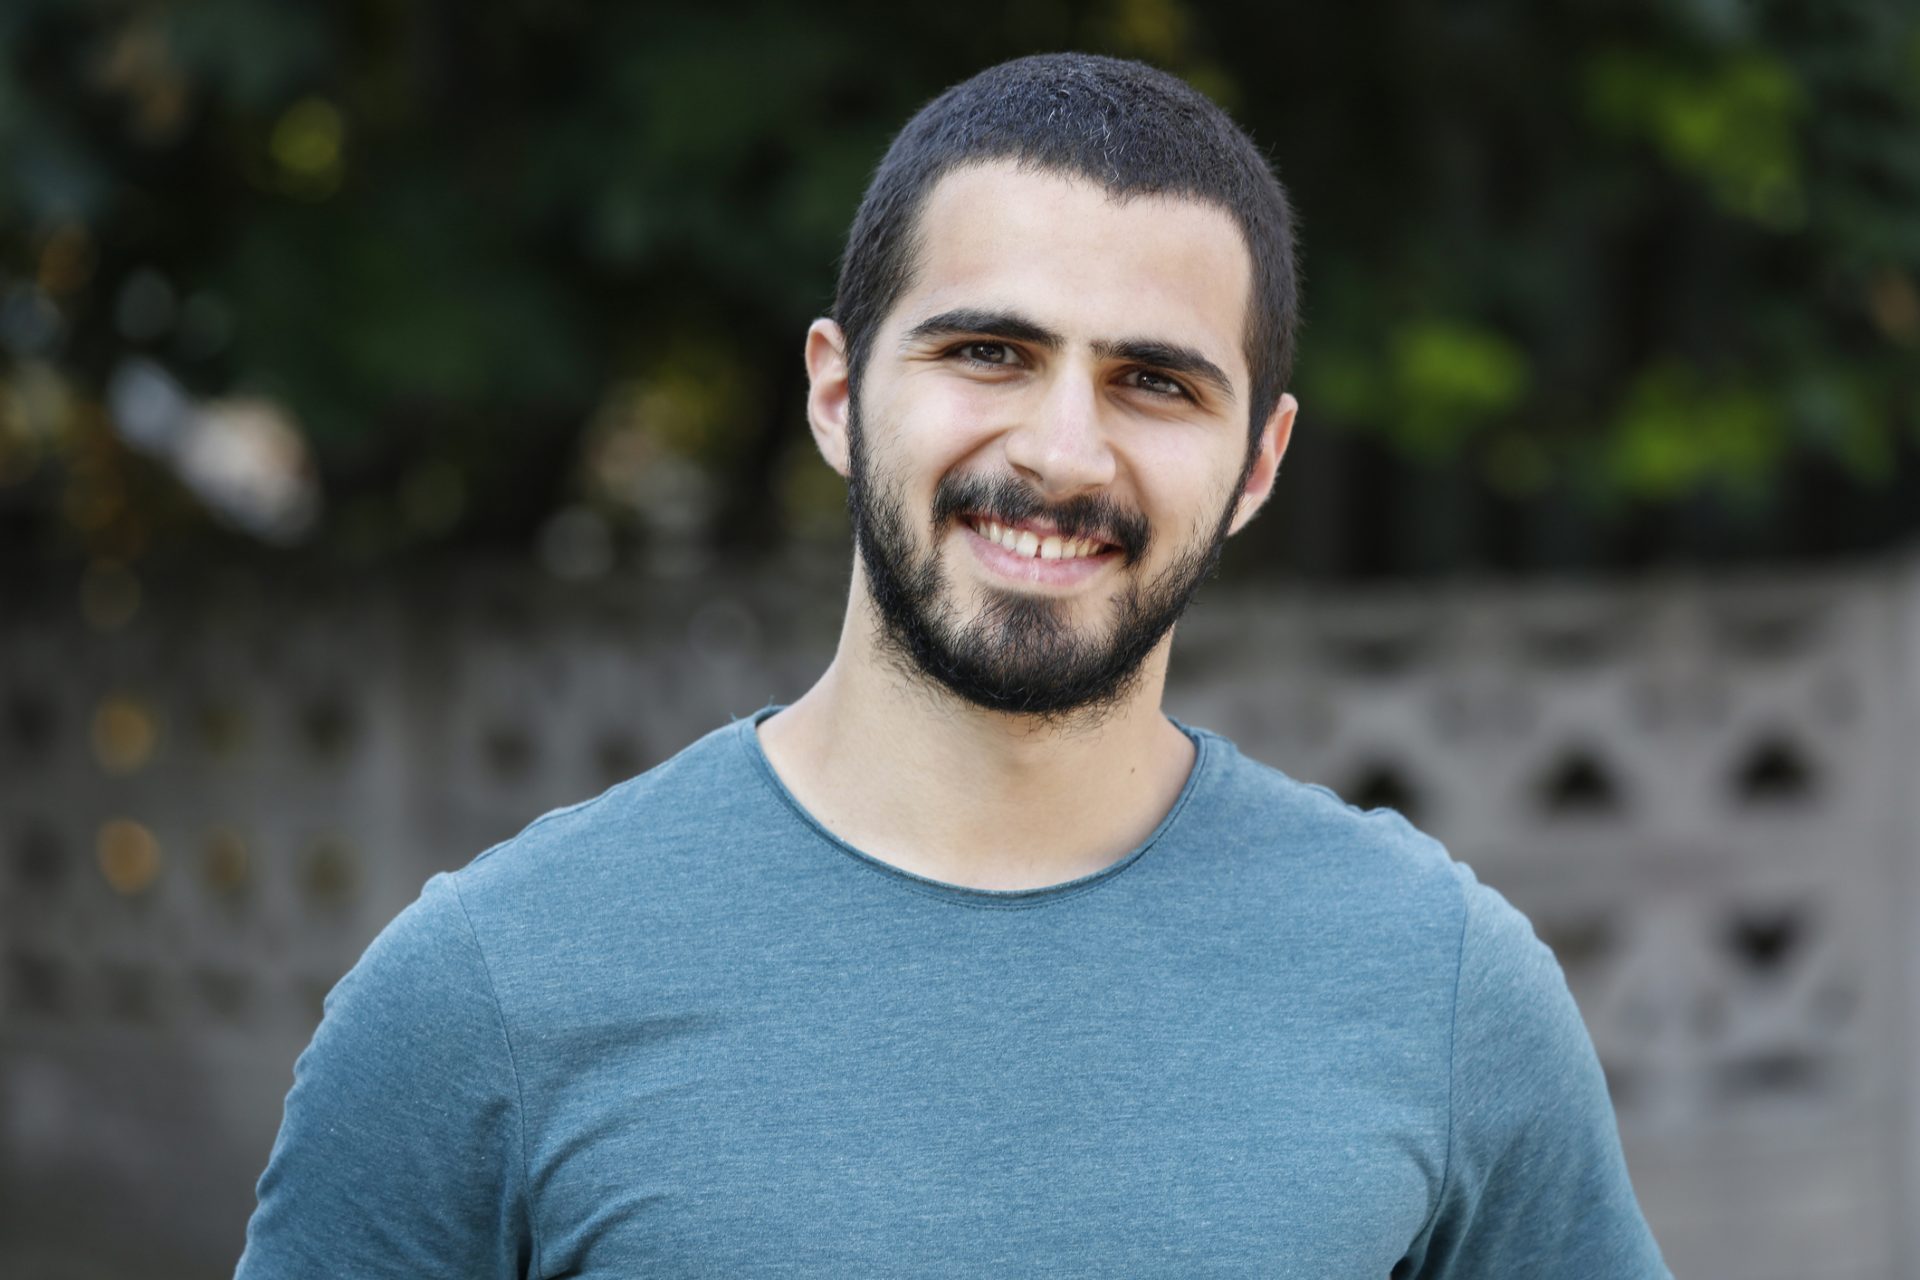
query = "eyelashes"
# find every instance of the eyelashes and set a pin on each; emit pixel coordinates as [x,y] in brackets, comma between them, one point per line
[966,351]
[969,354]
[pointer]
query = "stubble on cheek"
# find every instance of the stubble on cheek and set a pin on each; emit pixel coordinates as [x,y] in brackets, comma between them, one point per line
[1008,650]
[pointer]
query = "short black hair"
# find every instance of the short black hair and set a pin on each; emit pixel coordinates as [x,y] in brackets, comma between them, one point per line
[1133,129]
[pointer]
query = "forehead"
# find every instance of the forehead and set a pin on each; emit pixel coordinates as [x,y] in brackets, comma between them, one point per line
[1061,251]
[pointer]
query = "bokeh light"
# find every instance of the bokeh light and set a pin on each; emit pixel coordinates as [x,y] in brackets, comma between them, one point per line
[128,855]
[125,734]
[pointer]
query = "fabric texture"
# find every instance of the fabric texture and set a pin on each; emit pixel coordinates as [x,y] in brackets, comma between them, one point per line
[683,1030]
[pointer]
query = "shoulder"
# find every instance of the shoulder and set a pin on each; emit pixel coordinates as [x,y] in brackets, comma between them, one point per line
[411,1056]
[1513,1005]
[1310,840]
[1377,868]
[1536,1180]
[569,858]
[1374,868]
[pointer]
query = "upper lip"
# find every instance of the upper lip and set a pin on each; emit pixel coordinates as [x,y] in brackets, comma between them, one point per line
[1039,526]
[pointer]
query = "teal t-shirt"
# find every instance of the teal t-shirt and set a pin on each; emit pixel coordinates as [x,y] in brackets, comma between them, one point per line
[683,1030]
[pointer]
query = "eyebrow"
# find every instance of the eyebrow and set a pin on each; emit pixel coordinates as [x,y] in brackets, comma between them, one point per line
[997,324]
[1170,356]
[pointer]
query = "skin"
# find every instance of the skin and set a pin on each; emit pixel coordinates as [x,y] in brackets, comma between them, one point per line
[889,760]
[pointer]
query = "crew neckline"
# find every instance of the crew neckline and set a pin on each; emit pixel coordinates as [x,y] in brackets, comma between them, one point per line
[745,733]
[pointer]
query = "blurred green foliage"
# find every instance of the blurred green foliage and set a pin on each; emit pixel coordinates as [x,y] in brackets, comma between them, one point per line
[503,259]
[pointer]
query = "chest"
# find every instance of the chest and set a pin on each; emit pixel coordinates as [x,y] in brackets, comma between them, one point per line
[1058,1127]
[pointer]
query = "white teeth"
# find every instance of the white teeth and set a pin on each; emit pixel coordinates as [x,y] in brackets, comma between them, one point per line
[1031,545]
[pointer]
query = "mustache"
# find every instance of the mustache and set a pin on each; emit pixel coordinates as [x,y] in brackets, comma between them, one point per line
[1009,500]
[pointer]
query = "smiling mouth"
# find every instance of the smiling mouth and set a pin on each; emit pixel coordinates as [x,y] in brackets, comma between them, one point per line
[1037,546]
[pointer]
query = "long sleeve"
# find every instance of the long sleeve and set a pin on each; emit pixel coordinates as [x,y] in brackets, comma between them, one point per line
[1535,1184]
[400,1151]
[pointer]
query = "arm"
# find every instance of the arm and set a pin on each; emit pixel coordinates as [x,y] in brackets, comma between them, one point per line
[1535,1184]
[400,1150]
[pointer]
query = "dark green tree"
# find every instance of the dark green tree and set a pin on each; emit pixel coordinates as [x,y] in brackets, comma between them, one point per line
[457,268]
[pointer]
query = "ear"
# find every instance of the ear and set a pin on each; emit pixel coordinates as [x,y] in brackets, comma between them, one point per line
[1266,461]
[829,393]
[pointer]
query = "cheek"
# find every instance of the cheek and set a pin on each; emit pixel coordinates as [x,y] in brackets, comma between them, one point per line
[1180,480]
[945,422]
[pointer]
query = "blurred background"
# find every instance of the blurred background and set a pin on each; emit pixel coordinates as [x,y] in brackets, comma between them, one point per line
[401,433]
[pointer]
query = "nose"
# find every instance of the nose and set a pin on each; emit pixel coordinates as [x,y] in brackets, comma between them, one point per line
[1060,444]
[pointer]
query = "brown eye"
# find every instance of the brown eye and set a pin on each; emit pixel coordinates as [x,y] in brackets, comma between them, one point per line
[987,353]
[1158,383]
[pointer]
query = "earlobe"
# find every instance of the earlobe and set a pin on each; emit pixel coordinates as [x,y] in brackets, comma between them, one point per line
[1274,437]
[829,393]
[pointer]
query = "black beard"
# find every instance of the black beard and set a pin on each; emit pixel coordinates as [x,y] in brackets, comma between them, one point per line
[1019,656]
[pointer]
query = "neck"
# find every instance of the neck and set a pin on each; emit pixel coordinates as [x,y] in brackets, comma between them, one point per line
[912,774]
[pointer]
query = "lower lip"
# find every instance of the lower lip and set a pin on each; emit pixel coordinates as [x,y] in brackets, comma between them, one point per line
[1032,570]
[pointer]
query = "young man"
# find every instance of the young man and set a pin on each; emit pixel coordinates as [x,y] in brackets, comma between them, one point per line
[971,961]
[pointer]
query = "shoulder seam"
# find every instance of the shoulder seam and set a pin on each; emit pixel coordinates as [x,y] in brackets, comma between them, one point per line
[549,816]
[589,802]
[513,1069]
[1453,1028]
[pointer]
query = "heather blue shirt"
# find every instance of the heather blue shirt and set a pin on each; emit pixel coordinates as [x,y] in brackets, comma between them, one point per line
[683,1030]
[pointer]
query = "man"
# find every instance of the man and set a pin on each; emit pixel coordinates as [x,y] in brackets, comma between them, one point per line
[971,961]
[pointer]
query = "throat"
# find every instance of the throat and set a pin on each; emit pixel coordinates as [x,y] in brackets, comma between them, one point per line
[990,808]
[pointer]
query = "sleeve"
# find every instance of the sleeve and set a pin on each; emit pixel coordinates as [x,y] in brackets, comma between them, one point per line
[400,1149]
[1535,1182]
